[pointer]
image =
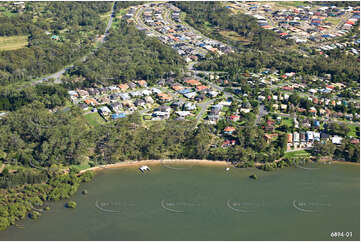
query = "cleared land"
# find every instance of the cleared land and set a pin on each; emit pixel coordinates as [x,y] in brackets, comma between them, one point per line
[291,3]
[297,154]
[13,42]
[94,119]
[232,35]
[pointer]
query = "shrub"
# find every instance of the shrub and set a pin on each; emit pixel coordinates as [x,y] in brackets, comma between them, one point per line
[71,204]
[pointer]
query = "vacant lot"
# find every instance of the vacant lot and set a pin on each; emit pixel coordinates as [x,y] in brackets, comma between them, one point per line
[291,3]
[94,119]
[232,35]
[13,42]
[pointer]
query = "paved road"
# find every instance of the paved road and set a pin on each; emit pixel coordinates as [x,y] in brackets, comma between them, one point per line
[204,107]
[261,112]
[57,75]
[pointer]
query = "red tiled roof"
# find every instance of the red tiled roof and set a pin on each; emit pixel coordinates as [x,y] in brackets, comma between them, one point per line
[229,129]
[193,82]
[202,87]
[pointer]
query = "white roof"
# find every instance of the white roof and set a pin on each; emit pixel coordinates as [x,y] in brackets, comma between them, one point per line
[183,113]
[336,140]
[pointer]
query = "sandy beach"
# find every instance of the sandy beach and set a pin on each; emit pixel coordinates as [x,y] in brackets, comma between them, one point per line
[157,162]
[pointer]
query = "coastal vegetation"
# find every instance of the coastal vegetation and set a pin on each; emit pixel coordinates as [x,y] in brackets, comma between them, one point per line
[71,204]
[34,137]
[16,202]
[38,147]
[253,176]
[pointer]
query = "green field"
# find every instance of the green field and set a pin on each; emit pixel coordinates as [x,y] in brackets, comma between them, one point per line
[94,119]
[287,121]
[232,35]
[13,42]
[353,131]
[297,154]
[333,20]
[290,3]
[81,166]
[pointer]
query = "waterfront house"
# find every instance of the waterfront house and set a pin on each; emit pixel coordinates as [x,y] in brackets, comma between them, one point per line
[337,140]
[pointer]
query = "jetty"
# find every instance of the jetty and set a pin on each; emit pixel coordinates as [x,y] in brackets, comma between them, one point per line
[144,168]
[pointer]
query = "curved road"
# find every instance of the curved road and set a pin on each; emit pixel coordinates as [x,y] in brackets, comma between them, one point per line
[57,75]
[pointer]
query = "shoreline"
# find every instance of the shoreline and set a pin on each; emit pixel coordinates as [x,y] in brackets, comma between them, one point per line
[158,162]
[183,161]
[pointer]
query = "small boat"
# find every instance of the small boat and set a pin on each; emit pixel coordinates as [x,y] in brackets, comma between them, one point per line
[227,169]
[144,168]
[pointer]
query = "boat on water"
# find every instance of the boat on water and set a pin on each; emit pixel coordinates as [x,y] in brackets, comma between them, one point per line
[227,169]
[144,168]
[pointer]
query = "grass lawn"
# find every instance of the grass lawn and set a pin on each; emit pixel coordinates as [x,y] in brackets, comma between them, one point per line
[182,16]
[123,11]
[287,121]
[13,42]
[333,20]
[290,3]
[296,154]
[232,35]
[94,119]
[352,131]
[5,12]
[82,166]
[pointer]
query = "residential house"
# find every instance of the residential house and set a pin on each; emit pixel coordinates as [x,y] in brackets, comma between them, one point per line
[190,95]
[123,87]
[337,140]
[177,104]
[156,90]
[183,113]
[227,143]
[139,102]
[91,101]
[289,138]
[163,108]
[104,111]
[124,96]
[131,85]
[149,99]
[212,94]
[324,136]
[309,136]
[136,94]
[116,106]
[229,130]
[316,136]
[296,137]
[193,82]
[82,93]
[234,118]
[158,115]
[142,83]
[146,92]
[189,106]
[163,97]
